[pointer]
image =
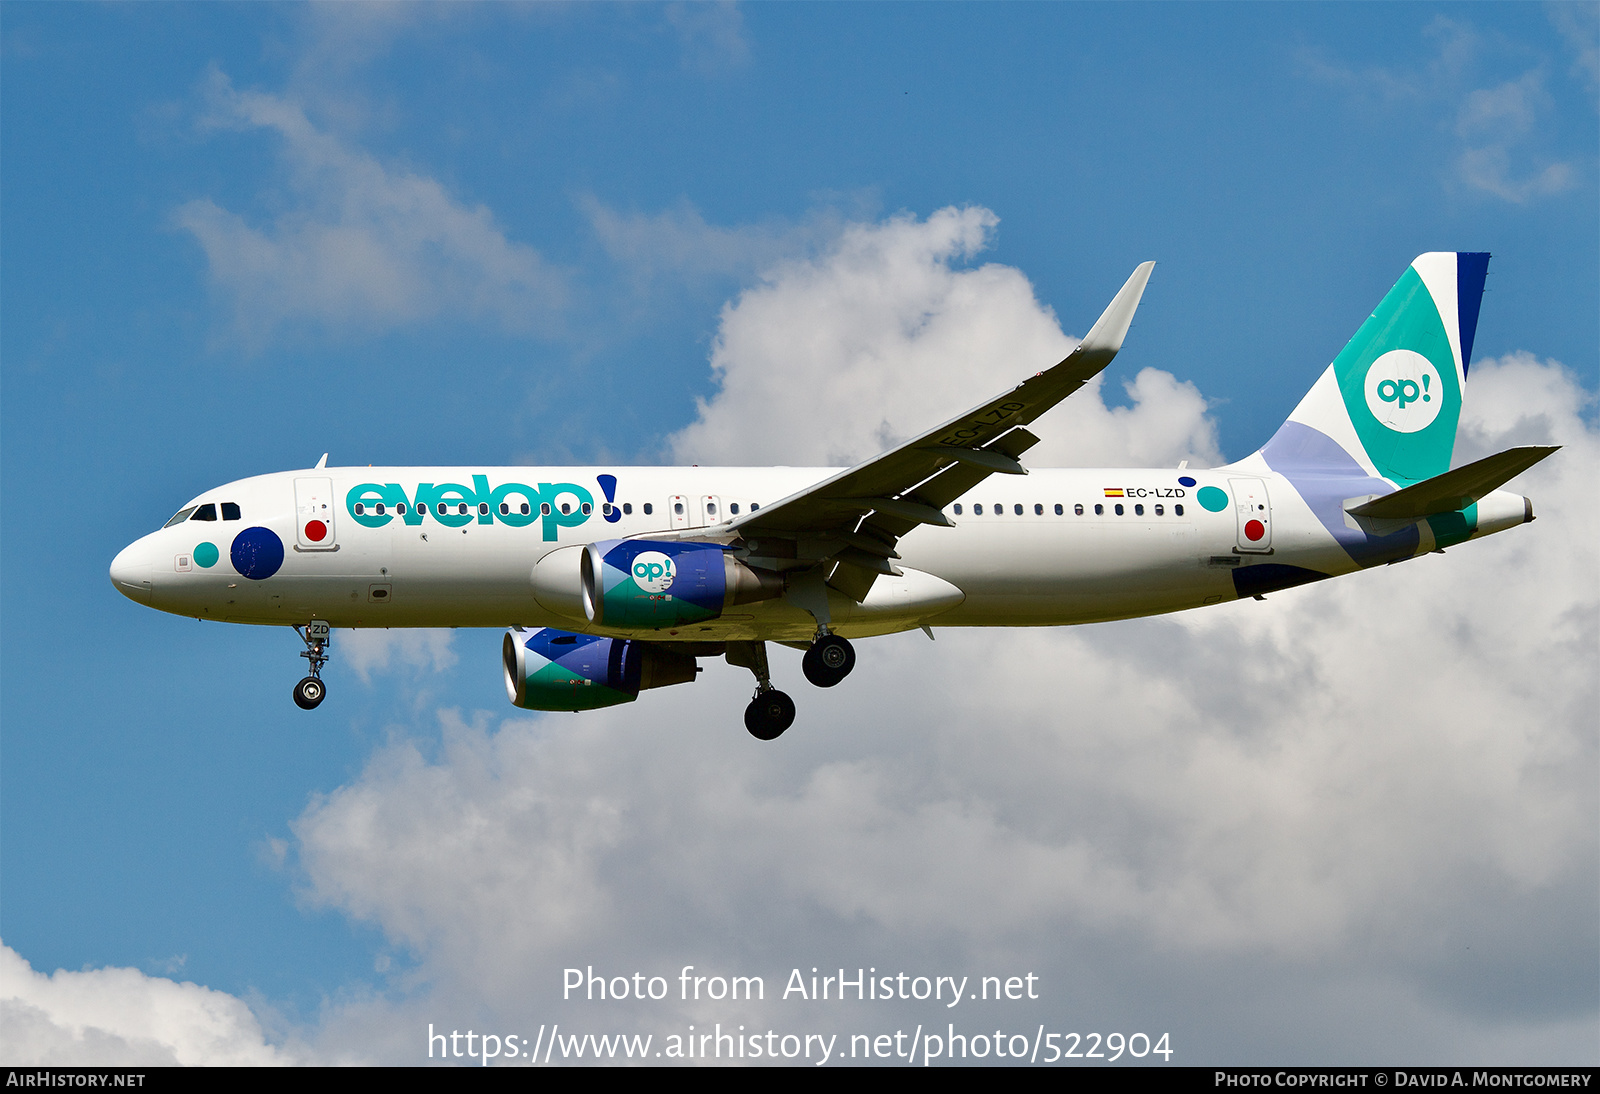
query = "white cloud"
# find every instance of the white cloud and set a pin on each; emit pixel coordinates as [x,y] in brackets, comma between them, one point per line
[711,35]
[835,358]
[1377,788]
[121,1017]
[358,243]
[370,650]
[678,244]
[1494,123]
[1500,149]
[1579,24]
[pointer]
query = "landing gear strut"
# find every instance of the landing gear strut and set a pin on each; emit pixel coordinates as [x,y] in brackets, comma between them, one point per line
[770,711]
[309,692]
[828,661]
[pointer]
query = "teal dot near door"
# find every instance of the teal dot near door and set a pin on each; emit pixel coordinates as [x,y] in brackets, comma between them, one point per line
[1213,499]
[206,555]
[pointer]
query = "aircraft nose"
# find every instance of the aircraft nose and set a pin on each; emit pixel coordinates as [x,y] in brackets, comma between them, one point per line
[130,573]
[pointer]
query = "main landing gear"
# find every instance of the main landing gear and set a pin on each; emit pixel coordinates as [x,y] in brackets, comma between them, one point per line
[309,692]
[770,711]
[828,661]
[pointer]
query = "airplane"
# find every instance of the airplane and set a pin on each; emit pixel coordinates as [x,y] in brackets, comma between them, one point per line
[615,580]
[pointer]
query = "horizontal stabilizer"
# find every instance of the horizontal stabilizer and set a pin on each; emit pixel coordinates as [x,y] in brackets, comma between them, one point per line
[1456,489]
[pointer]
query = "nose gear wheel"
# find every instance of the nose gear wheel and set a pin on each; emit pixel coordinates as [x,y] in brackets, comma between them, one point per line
[310,691]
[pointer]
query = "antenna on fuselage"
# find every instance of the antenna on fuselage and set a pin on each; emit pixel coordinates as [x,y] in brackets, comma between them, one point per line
[321,463]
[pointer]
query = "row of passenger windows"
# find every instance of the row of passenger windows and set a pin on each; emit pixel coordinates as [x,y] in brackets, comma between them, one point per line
[462,509]
[208,511]
[1099,510]
[711,508]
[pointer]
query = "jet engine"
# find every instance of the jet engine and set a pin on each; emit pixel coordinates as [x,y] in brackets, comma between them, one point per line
[638,583]
[556,670]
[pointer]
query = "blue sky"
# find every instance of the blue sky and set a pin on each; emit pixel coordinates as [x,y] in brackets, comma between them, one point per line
[234,237]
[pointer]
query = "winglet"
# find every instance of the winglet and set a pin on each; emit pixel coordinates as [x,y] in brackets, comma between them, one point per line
[321,463]
[1106,336]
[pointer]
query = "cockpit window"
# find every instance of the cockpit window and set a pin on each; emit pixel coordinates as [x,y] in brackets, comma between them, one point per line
[179,517]
[207,511]
[230,510]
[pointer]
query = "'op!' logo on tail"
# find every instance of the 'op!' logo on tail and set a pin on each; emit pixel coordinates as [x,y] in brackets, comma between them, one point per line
[1403,391]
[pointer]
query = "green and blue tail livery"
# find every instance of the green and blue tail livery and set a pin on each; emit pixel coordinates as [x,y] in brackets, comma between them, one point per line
[1392,399]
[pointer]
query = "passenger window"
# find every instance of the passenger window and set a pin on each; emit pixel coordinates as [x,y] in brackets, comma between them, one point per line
[734,508]
[977,510]
[1077,510]
[378,509]
[1119,509]
[566,507]
[400,508]
[1177,510]
[524,508]
[544,509]
[1099,510]
[230,510]
[1160,511]
[1017,509]
[1138,510]
[504,509]
[183,514]
[1060,511]
[205,512]
[627,509]
[1038,510]
[483,509]
[958,508]
[461,509]
[754,506]
[648,509]
[587,508]
[677,507]
[360,509]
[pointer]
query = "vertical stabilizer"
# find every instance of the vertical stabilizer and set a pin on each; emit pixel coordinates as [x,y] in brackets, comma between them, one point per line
[1391,400]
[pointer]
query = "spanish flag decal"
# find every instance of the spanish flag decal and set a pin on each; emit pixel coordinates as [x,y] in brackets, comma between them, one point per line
[1113,492]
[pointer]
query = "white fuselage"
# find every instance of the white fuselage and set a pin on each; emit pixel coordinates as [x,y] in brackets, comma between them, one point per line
[1025,550]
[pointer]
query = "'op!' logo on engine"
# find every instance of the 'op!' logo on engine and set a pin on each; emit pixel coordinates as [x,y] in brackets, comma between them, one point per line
[652,571]
[1403,391]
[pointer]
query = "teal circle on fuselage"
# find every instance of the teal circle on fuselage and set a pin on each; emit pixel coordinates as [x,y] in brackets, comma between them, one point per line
[1212,499]
[206,555]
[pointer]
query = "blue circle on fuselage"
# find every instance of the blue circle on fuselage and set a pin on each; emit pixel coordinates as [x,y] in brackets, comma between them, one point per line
[257,553]
[1185,480]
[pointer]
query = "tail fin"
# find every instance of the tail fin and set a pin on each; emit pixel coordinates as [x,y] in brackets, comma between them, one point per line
[1392,398]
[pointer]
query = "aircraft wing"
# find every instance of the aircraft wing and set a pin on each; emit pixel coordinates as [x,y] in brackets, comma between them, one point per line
[856,517]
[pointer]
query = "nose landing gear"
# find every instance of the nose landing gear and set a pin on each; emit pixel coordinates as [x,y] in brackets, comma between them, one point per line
[310,692]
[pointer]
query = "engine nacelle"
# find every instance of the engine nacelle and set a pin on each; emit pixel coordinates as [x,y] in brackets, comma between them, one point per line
[639,583]
[556,670]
